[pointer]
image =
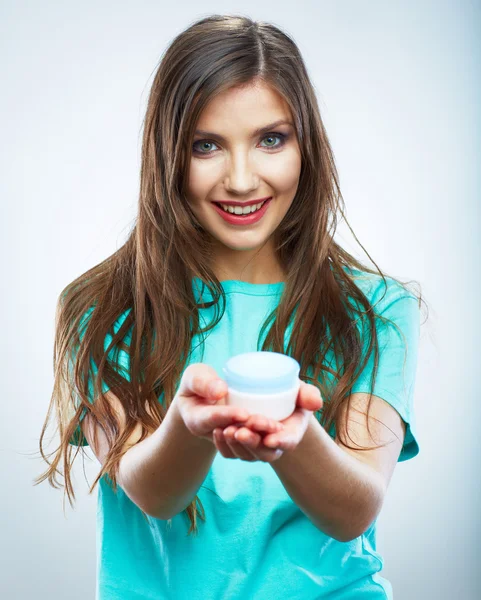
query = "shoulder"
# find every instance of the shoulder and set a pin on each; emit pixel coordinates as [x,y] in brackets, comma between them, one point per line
[384,293]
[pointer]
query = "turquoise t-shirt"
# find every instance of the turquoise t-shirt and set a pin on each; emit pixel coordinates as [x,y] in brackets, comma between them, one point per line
[256,543]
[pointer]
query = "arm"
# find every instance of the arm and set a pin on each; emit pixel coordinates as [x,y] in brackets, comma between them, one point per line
[340,494]
[163,473]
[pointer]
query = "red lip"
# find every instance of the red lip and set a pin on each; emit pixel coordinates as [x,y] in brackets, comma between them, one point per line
[243,220]
[233,203]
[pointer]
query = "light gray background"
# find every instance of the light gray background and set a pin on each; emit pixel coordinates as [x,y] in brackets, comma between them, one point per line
[398,86]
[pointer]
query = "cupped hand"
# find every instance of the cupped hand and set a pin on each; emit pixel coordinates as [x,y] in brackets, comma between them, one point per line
[240,441]
[200,400]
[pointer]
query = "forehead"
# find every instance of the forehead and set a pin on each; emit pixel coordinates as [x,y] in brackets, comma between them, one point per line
[253,105]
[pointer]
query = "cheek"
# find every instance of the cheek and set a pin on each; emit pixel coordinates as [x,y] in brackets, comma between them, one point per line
[283,174]
[201,178]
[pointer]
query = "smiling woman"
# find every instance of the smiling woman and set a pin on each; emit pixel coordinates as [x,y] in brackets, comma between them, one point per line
[233,121]
[240,168]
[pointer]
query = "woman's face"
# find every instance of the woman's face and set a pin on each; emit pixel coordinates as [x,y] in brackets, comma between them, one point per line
[231,162]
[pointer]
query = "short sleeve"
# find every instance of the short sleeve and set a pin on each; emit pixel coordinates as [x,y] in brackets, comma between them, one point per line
[116,356]
[397,359]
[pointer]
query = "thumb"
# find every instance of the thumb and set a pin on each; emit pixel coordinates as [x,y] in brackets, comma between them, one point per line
[216,389]
[202,380]
[310,397]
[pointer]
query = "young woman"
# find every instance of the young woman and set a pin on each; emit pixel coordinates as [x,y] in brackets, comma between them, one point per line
[232,125]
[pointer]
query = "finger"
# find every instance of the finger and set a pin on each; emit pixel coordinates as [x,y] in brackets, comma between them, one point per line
[290,438]
[223,416]
[216,389]
[202,380]
[274,441]
[247,437]
[267,455]
[238,449]
[233,436]
[309,397]
[221,444]
[262,423]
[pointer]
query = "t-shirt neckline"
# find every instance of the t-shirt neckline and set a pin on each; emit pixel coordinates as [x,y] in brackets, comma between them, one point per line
[259,289]
[255,289]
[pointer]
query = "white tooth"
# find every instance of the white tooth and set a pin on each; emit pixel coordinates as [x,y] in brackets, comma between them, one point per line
[238,210]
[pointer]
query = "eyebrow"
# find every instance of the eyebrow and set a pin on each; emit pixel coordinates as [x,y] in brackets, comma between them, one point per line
[255,133]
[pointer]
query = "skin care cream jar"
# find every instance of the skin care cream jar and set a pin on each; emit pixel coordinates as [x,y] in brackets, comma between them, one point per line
[265,383]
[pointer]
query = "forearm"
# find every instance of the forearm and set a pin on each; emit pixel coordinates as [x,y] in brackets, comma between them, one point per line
[162,473]
[340,494]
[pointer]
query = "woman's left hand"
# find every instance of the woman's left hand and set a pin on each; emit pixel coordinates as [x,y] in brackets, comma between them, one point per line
[239,441]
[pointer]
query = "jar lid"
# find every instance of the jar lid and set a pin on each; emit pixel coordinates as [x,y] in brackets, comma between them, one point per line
[261,372]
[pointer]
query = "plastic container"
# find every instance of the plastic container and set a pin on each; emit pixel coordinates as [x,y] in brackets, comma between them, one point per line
[265,383]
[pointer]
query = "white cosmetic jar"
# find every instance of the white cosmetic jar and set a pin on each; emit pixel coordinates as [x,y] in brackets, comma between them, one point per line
[265,383]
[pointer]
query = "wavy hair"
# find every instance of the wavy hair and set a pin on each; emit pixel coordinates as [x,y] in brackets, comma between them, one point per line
[150,276]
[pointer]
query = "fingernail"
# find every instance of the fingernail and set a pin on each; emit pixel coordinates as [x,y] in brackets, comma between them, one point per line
[215,388]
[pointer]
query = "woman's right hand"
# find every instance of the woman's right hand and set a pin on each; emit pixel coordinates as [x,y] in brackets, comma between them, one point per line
[203,408]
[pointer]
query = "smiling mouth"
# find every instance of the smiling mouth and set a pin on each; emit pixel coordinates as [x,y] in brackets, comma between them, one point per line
[239,210]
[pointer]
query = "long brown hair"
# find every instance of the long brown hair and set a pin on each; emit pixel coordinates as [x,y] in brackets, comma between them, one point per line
[150,277]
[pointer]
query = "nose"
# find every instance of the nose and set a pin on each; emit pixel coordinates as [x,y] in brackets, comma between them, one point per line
[241,178]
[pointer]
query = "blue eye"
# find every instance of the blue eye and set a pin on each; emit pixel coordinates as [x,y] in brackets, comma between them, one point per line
[281,136]
[203,142]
